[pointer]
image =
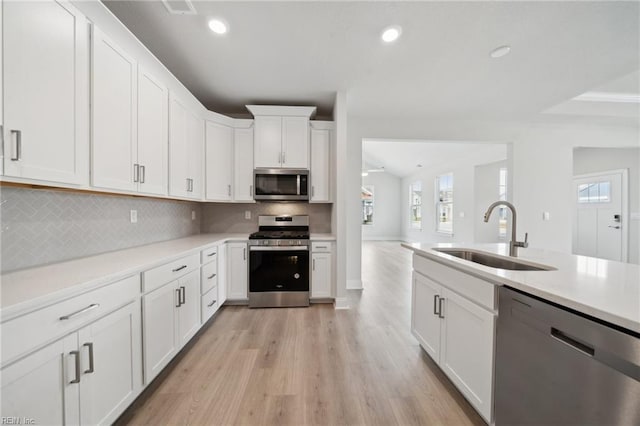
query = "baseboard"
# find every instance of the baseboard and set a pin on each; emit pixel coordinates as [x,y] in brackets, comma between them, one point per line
[354,284]
[341,303]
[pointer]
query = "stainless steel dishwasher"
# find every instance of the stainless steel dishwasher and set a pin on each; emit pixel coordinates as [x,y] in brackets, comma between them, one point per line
[557,367]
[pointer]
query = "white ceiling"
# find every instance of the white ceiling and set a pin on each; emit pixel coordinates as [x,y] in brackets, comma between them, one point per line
[401,158]
[303,52]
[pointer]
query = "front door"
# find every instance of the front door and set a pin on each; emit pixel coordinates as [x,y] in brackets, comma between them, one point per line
[599,221]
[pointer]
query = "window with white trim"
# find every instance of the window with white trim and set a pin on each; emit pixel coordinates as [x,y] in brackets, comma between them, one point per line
[502,211]
[444,203]
[367,205]
[415,204]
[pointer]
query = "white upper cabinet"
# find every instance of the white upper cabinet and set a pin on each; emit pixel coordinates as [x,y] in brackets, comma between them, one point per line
[281,136]
[320,165]
[46,87]
[113,132]
[243,165]
[219,161]
[186,148]
[153,138]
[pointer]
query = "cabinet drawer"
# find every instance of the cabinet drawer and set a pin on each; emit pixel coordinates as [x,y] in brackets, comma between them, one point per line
[209,254]
[209,304]
[209,276]
[477,290]
[321,247]
[24,333]
[156,277]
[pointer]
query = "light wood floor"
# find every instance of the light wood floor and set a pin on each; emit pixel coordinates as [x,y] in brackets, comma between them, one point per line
[308,366]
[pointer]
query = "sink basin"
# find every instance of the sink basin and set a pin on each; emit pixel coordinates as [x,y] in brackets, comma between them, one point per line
[493,261]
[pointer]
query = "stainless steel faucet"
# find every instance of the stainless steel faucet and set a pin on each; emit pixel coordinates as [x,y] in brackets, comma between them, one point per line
[513,244]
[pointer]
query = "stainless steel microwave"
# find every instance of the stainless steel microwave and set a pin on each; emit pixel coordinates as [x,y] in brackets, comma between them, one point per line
[281,184]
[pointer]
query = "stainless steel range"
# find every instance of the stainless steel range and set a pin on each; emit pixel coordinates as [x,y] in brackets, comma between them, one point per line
[279,262]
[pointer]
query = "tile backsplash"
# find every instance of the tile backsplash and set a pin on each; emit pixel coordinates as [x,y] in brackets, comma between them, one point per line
[45,226]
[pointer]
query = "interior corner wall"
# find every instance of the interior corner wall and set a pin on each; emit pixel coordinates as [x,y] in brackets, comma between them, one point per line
[543,174]
[340,212]
[591,160]
[386,207]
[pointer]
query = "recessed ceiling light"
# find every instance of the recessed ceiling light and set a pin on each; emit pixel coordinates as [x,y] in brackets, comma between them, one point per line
[391,34]
[501,51]
[217,26]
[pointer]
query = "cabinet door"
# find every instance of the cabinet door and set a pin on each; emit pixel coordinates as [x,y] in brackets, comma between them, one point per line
[46,88]
[467,349]
[39,387]
[243,165]
[159,332]
[267,147]
[425,323]
[320,165]
[295,142]
[111,350]
[222,274]
[321,275]
[113,107]
[219,159]
[189,310]
[179,183]
[237,271]
[195,152]
[153,138]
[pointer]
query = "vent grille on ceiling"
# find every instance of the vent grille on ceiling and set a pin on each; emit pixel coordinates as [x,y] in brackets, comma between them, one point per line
[180,7]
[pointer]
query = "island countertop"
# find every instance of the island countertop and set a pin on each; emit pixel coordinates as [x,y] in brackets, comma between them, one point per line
[603,289]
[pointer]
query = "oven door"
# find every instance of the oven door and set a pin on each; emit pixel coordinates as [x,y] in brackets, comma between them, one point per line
[279,269]
[281,184]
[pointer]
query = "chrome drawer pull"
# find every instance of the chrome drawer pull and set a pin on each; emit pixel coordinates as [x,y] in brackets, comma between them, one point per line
[435,305]
[440,313]
[90,346]
[211,254]
[180,268]
[212,275]
[211,304]
[76,354]
[81,311]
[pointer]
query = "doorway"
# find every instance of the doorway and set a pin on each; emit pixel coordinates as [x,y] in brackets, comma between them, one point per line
[601,215]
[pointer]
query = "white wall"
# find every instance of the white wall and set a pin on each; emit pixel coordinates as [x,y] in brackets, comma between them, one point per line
[386,207]
[591,160]
[464,204]
[486,191]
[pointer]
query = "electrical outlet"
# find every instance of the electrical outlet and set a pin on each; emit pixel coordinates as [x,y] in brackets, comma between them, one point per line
[247,214]
[134,216]
[193,215]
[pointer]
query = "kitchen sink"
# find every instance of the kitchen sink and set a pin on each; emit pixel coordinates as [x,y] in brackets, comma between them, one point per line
[493,261]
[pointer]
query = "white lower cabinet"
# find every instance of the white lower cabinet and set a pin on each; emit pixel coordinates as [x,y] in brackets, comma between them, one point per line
[88,377]
[171,316]
[458,335]
[321,269]
[237,261]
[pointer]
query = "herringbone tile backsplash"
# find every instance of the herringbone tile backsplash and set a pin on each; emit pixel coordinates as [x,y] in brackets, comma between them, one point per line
[43,226]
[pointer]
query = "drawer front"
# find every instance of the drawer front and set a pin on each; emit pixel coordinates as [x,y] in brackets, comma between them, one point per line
[209,276]
[209,304]
[477,290]
[321,247]
[156,277]
[22,334]
[209,254]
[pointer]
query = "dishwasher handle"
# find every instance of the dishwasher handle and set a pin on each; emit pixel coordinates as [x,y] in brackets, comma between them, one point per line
[575,344]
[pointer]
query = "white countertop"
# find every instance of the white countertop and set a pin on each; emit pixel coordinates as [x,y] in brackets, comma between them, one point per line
[29,289]
[601,288]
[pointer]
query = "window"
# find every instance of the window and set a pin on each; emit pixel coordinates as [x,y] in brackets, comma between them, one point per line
[444,203]
[502,212]
[415,202]
[594,192]
[367,205]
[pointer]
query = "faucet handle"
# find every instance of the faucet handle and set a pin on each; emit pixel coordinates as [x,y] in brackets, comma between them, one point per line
[526,240]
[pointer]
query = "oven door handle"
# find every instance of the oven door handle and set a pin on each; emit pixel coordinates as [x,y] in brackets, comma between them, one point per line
[278,248]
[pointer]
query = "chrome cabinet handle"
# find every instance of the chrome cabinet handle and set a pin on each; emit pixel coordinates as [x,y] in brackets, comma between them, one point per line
[18,150]
[188,184]
[90,369]
[284,157]
[211,304]
[179,301]
[180,268]
[435,305]
[136,172]
[211,277]
[251,190]
[440,313]
[229,190]
[211,254]
[314,265]
[183,292]
[280,157]
[322,247]
[81,311]
[142,173]
[244,254]
[614,226]
[76,354]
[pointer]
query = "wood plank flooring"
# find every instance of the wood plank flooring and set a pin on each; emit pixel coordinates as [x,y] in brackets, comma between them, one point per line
[311,366]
